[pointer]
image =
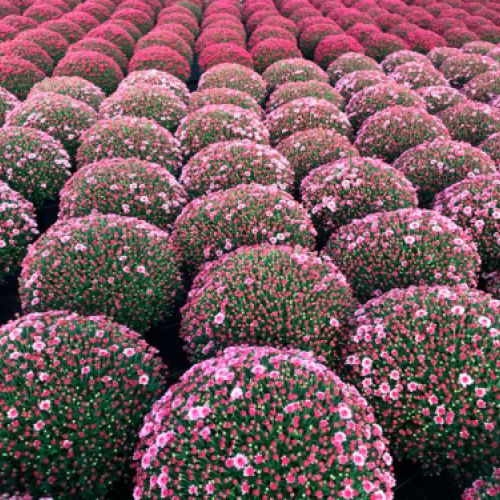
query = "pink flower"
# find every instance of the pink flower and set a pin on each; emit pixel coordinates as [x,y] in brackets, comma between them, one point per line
[44,405]
[219,318]
[464,379]
[240,461]
[12,413]
[143,379]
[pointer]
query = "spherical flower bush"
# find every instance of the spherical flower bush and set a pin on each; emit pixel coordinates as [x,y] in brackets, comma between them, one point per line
[247,214]
[124,186]
[435,165]
[19,22]
[484,488]
[72,86]
[103,47]
[464,67]
[417,75]
[130,28]
[380,45]
[392,61]
[440,97]
[271,50]
[439,55]
[86,21]
[338,192]
[158,79]
[313,34]
[43,12]
[95,9]
[51,42]
[390,132]
[130,137]
[356,81]
[219,122]
[215,36]
[491,146]
[118,266]
[406,247]
[268,31]
[333,46]
[474,205]
[478,47]
[306,113]
[268,295]
[292,70]
[370,100]
[142,20]
[221,53]
[18,229]
[471,121]
[17,75]
[28,51]
[483,87]
[425,358]
[234,76]
[116,34]
[162,59]
[180,30]
[424,40]
[220,96]
[257,457]
[33,163]
[187,21]
[61,372]
[494,54]
[8,102]
[348,63]
[457,37]
[68,29]
[226,164]
[167,39]
[7,32]
[148,101]
[362,31]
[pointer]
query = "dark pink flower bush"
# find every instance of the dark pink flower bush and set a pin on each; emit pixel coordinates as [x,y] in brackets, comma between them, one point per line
[333,46]
[162,59]
[17,75]
[223,165]
[42,12]
[139,18]
[33,163]
[101,46]
[19,22]
[292,70]
[102,264]
[30,52]
[18,228]
[338,192]
[238,382]
[380,45]
[432,391]
[95,9]
[71,32]
[464,67]
[221,53]
[440,97]
[187,21]
[47,360]
[84,20]
[269,51]
[247,214]
[124,186]
[130,137]
[269,31]
[165,38]
[406,247]
[348,63]
[219,96]
[457,37]
[180,30]
[114,33]
[211,37]
[51,42]
[313,34]
[362,31]
[8,102]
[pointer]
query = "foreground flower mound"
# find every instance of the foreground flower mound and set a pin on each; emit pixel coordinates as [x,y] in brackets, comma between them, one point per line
[390,132]
[435,165]
[124,186]
[268,295]
[17,75]
[474,204]
[74,392]
[102,264]
[491,146]
[161,58]
[247,214]
[338,192]
[356,81]
[484,488]
[275,399]
[226,164]
[406,247]
[462,68]
[18,229]
[348,63]
[293,70]
[426,358]
[8,102]
[440,97]
[216,123]
[33,163]
[129,137]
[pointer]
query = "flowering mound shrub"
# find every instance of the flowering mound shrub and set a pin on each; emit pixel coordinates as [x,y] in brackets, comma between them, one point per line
[72,86]
[313,34]
[17,229]
[474,205]
[33,163]
[433,166]
[268,295]
[142,20]
[148,101]
[478,47]
[158,79]
[162,59]
[18,75]
[226,164]
[96,9]
[439,55]
[86,21]
[247,214]
[219,96]
[293,70]
[380,45]
[425,358]
[47,360]
[484,488]
[390,132]
[7,32]
[167,39]
[8,102]
[19,22]
[338,192]
[71,32]
[458,37]
[43,12]
[438,98]
[30,52]
[492,285]
[271,50]
[370,100]
[130,137]
[306,113]
[471,121]
[267,31]
[188,21]
[51,42]
[362,31]
[494,54]
[234,76]
[254,455]
[116,34]
[491,146]
[417,75]
[392,61]
[118,266]
[124,186]
[308,149]
[356,81]
[464,67]
[103,47]
[221,53]
[333,46]
[59,115]
[216,123]
[348,63]
[211,37]
[483,87]
[406,247]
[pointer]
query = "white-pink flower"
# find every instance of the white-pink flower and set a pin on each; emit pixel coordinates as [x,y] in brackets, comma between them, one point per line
[12,413]
[44,405]
[219,318]
[465,379]
[240,461]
